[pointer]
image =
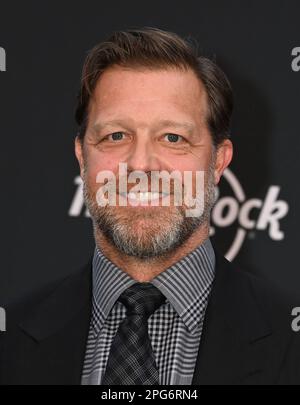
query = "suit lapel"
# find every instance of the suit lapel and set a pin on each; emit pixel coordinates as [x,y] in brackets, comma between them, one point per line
[232,348]
[57,332]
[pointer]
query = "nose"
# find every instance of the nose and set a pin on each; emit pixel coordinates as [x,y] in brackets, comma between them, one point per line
[142,155]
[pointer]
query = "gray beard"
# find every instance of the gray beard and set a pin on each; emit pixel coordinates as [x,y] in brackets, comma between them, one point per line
[159,238]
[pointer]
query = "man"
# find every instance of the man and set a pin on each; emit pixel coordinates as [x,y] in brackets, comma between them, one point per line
[156,304]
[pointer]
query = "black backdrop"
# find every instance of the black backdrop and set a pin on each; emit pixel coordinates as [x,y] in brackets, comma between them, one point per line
[45,232]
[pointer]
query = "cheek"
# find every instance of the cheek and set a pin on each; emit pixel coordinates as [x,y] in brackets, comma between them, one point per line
[192,163]
[97,161]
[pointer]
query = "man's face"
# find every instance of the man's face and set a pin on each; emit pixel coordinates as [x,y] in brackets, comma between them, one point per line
[152,121]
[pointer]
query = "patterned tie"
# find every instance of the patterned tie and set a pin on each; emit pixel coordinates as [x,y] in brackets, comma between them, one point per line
[131,360]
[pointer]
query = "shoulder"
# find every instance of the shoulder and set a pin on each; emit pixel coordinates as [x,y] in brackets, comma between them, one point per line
[275,305]
[19,308]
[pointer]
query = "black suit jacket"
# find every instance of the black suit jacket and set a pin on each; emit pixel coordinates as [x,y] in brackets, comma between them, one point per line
[247,336]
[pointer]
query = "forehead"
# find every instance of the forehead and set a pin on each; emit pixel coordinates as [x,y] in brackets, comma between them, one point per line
[149,91]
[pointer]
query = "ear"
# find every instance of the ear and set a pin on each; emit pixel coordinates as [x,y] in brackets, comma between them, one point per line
[79,154]
[223,158]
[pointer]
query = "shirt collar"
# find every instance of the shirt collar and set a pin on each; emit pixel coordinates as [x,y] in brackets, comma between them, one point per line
[186,285]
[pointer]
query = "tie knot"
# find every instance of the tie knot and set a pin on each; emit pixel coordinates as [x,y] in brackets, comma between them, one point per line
[142,299]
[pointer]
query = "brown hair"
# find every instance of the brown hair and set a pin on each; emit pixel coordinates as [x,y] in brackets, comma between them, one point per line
[152,48]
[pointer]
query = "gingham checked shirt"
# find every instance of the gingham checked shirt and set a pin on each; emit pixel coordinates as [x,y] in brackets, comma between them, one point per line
[174,328]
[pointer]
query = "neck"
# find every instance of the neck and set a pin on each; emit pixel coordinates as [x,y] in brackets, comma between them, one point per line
[145,270]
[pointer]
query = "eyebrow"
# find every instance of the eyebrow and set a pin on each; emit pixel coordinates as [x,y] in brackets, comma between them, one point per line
[163,123]
[170,123]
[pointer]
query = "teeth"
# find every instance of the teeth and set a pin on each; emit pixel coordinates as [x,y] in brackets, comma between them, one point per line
[147,196]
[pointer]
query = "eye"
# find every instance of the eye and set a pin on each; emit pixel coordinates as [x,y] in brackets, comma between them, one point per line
[174,138]
[116,136]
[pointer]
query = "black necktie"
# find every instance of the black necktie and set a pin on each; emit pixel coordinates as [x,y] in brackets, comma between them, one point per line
[131,360]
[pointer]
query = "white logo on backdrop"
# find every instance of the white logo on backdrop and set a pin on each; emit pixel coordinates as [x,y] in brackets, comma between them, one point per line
[228,211]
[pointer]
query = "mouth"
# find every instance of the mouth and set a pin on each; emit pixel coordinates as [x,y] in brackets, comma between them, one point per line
[144,197]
